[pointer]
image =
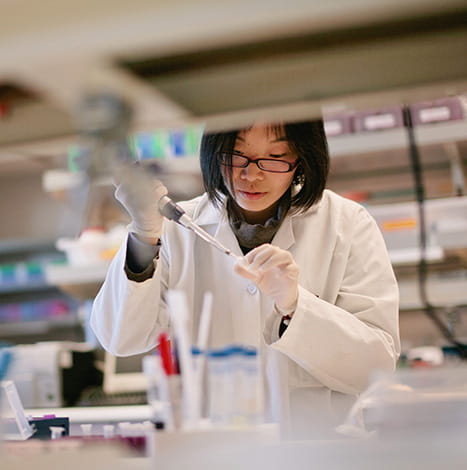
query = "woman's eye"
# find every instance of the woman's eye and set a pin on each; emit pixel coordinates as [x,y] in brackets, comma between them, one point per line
[282,155]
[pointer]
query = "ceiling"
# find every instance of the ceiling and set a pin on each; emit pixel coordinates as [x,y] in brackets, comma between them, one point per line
[220,63]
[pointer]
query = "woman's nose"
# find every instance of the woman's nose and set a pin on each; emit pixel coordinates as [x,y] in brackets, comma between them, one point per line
[251,172]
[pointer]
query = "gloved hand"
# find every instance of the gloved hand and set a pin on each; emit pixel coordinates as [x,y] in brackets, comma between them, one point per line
[275,273]
[139,192]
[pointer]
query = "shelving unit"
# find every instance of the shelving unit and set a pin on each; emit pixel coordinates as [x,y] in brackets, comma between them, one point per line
[378,163]
[396,139]
[442,292]
[35,328]
[32,306]
[81,282]
[66,274]
[376,167]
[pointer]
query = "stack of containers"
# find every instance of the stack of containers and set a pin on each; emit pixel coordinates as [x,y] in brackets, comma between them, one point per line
[235,387]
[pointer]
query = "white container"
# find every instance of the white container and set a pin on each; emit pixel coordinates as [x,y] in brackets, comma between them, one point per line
[85,250]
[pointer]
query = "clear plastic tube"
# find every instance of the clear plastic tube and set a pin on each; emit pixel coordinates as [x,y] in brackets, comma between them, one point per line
[86,429]
[157,391]
[109,430]
[252,387]
[220,387]
[56,432]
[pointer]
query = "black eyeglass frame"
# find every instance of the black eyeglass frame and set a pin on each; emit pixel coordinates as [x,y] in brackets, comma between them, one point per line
[249,160]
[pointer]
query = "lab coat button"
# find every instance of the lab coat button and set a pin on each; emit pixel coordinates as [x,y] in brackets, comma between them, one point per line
[252,289]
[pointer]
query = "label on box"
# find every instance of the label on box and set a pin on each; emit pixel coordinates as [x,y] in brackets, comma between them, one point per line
[380,121]
[440,113]
[333,127]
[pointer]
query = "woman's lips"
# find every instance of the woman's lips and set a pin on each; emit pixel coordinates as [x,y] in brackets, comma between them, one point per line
[251,196]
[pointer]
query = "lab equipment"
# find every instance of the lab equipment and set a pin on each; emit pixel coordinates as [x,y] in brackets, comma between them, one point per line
[205,321]
[179,316]
[157,391]
[108,431]
[221,386]
[86,430]
[411,403]
[235,387]
[197,352]
[56,432]
[46,373]
[96,397]
[124,375]
[166,354]
[13,422]
[36,370]
[173,211]
[5,360]
[42,425]
[251,387]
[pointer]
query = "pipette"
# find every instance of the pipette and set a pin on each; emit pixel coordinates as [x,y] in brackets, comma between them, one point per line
[173,211]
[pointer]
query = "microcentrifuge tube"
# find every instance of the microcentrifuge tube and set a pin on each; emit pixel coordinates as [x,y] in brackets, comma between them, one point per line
[86,429]
[56,432]
[109,431]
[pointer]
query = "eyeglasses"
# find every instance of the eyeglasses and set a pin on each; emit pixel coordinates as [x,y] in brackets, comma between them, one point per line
[265,164]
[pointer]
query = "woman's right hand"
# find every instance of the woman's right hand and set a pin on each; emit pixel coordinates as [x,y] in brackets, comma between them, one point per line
[139,192]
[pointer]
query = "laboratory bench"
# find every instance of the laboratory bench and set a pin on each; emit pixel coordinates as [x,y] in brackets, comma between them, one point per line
[425,429]
[356,454]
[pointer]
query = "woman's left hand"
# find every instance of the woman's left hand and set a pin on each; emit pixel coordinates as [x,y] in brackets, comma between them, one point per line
[275,273]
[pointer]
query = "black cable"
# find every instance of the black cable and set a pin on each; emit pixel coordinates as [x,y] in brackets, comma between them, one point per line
[422,270]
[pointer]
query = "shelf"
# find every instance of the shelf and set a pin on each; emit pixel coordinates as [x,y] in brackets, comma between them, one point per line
[80,282]
[351,144]
[395,139]
[36,327]
[411,256]
[26,245]
[445,222]
[440,133]
[24,288]
[66,274]
[441,292]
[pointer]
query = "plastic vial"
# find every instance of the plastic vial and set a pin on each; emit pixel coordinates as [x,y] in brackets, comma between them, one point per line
[198,358]
[108,431]
[124,428]
[252,387]
[56,432]
[157,390]
[236,367]
[220,387]
[86,430]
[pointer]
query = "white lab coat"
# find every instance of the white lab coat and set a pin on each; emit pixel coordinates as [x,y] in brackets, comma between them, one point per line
[344,328]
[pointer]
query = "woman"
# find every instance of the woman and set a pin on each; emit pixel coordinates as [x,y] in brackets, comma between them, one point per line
[319,297]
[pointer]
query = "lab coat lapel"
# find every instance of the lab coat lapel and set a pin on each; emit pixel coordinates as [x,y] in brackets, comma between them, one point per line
[285,237]
[226,236]
[212,215]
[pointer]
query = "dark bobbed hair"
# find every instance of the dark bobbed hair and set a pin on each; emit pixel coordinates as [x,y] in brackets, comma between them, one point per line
[306,139]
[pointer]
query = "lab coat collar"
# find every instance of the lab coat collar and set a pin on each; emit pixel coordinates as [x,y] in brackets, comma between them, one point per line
[284,237]
[206,214]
